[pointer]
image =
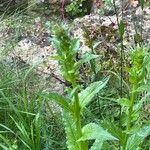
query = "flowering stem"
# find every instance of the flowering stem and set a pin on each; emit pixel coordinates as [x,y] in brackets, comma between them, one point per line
[77,112]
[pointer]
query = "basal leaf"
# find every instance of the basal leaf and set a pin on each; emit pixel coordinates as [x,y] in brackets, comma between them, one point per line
[136,139]
[71,131]
[59,99]
[93,131]
[86,96]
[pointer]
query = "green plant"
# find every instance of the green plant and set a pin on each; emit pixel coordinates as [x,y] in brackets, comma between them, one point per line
[78,7]
[74,105]
[22,121]
[131,107]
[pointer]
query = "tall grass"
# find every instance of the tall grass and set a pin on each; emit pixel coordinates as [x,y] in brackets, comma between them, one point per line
[24,122]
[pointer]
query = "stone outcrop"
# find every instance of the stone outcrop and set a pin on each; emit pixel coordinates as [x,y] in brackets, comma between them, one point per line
[102,29]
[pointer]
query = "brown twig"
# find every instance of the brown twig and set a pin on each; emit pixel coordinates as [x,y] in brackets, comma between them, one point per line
[57,78]
[62,9]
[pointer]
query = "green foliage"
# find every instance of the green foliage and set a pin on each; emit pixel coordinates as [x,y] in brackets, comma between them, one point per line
[121,28]
[94,131]
[86,96]
[115,131]
[97,145]
[137,71]
[27,120]
[66,56]
[71,131]
[142,3]
[11,6]
[67,52]
[77,137]
[59,99]
[78,7]
[22,117]
[137,74]
[136,139]
[27,136]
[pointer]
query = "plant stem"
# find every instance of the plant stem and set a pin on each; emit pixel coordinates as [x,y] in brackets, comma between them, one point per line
[92,62]
[132,97]
[129,121]
[121,61]
[77,111]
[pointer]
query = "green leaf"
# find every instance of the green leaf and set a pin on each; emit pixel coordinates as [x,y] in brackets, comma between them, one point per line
[93,131]
[8,129]
[97,145]
[144,88]
[3,147]
[124,102]
[96,45]
[136,139]
[71,131]
[24,135]
[86,96]
[75,45]
[142,4]
[121,28]
[115,131]
[86,58]
[59,99]
[5,140]
[58,58]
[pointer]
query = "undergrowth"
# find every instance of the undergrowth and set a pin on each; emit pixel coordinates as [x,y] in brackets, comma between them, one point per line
[106,111]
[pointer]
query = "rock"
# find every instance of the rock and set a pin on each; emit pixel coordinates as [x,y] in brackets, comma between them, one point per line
[95,23]
[34,55]
[37,49]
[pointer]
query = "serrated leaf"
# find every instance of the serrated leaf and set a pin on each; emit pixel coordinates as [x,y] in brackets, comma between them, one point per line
[86,96]
[93,131]
[97,145]
[59,99]
[136,139]
[71,132]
